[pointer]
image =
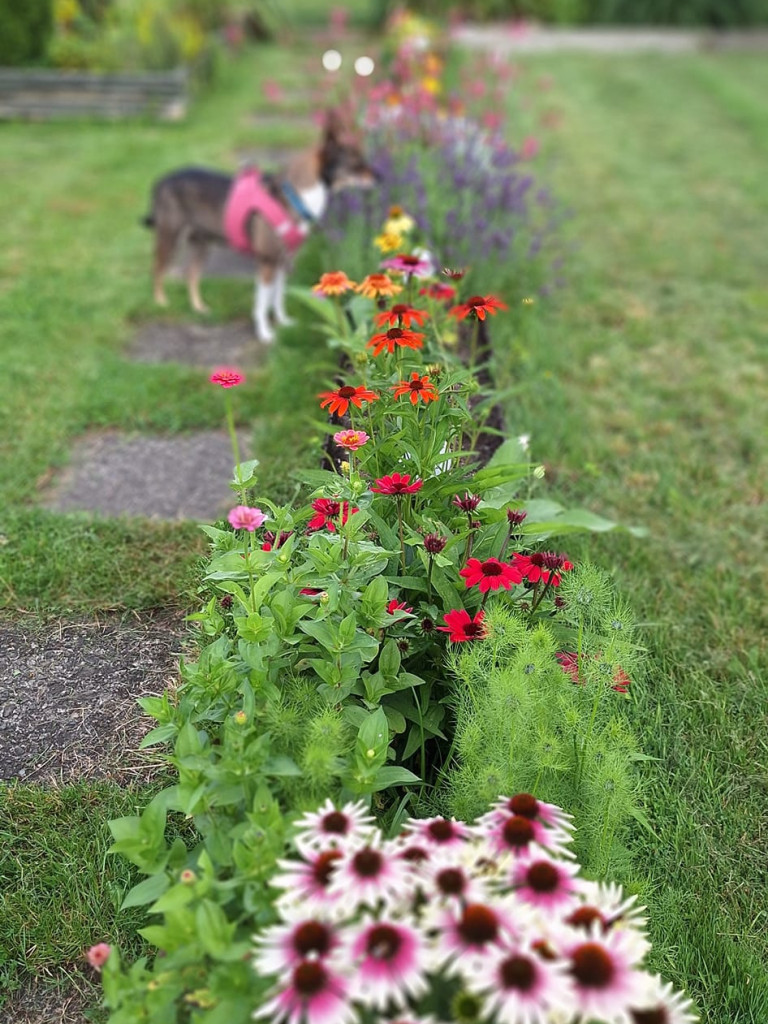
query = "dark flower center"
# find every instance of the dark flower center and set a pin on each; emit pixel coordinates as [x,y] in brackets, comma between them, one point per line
[492,568]
[542,948]
[368,863]
[427,625]
[450,881]
[592,966]
[478,925]
[552,561]
[517,831]
[324,866]
[384,942]
[476,300]
[395,332]
[542,876]
[415,854]
[410,261]
[416,385]
[537,558]
[524,805]
[312,937]
[399,309]
[658,1015]
[347,391]
[332,508]
[585,917]
[441,830]
[474,629]
[336,822]
[310,978]
[518,972]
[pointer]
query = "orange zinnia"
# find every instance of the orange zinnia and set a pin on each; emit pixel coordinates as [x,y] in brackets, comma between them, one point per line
[338,401]
[477,306]
[374,286]
[392,338]
[417,387]
[401,316]
[334,283]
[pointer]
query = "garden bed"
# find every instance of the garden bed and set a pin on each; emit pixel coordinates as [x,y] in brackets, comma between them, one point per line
[44,94]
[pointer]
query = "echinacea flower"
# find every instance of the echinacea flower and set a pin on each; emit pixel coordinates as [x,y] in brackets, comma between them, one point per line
[312,994]
[417,388]
[604,975]
[401,315]
[468,503]
[527,806]
[462,626]
[226,377]
[439,291]
[442,832]
[369,873]
[516,834]
[283,946]
[244,518]
[338,401]
[434,543]
[328,512]
[330,826]
[473,929]
[477,307]
[397,483]
[98,955]
[663,1005]
[410,264]
[543,882]
[377,286]
[335,282]
[444,877]
[351,439]
[519,986]
[307,882]
[390,963]
[399,221]
[395,337]
[490,574]
[543,565]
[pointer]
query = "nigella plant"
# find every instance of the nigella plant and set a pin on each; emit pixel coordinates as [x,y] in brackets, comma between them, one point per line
[473,197]
[490,923]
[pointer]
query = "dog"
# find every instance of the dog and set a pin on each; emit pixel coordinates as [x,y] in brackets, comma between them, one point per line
[265,215]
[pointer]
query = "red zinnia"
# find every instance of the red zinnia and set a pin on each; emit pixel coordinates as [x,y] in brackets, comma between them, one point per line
[417,387]
[490,574]
[226,377]
[401,315]
[543,565]
[397,483]
[477,307]
[398,606]
[338,401]
[328,512]
[392,338]
[462,626]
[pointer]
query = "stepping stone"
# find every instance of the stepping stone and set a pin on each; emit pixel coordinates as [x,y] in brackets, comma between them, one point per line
[183,476]
[197,344]
[68,696]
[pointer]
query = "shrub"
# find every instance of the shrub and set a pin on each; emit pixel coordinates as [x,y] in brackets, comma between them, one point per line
[25,29]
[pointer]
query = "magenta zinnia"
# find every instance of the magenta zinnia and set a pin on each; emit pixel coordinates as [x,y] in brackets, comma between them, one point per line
[244,518]
[328,511]
[226,377]
[397,483]
[490,574]
[351,439]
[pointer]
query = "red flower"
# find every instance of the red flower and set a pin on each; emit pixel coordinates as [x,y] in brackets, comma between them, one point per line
[398,606]
[477,307]
[543,565]
[392,338]
[441,292]
[468,503]
[434,543]
[417,387]
[397,483]
[328,512]
[226,377]
[490,574]
[463,627]
[401,315]
[569,661]
[338,401]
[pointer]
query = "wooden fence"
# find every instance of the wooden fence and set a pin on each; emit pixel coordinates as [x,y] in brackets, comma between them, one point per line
[44,94]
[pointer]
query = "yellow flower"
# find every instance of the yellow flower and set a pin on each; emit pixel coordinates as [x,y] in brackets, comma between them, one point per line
[400,224]
[388,240]
[431,85]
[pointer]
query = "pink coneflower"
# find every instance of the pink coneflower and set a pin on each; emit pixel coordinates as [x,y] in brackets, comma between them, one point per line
[351,439]
[226,377]
[526,805]
[283,946]
[328,513]
[442,832]
[520,987]
[543,882]
[98,955]
[604,976]
[396,483]
[412,265]
[445,877]
[490,574]
[663,1006]
[390,963]
[307,882]
[471,928]
[330,826]
[370,873]
[313,995]
[244,518]
[462,626]
[515,834]
[606,905]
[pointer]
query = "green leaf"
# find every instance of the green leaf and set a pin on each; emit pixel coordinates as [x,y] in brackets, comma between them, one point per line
[214,931]
[389,660]
[148,891]
[393,775]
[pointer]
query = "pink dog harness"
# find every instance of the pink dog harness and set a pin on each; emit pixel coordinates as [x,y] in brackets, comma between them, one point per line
[248,196]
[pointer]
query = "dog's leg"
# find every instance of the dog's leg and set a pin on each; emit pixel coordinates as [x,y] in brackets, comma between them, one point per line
[263,300]
[194,272]
[278,298]
[165,244]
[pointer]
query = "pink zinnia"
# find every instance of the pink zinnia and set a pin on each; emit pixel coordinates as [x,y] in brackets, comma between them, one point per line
[226,377]
[351,439]
[397,483]
[98,955]
[244,518]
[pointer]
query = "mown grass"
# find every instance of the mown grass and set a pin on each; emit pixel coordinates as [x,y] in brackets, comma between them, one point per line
[645,396]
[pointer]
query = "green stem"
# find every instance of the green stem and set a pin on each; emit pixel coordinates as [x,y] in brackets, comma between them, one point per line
[235,445]
[423,755]
[249,566]
[402,537]
[473,344]
[429,578]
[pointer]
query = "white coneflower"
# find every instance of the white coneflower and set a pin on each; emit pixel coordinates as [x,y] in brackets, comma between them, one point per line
[664,1006]
[520,987]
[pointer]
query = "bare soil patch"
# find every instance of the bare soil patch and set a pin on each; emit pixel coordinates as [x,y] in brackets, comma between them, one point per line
[68,696]
[45,1004]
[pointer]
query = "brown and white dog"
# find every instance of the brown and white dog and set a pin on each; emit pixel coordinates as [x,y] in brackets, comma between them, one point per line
[265,215]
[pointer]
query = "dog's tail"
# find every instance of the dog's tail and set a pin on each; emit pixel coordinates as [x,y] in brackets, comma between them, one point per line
[148,221]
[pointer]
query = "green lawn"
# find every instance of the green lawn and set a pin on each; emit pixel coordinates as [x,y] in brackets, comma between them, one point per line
[646,397]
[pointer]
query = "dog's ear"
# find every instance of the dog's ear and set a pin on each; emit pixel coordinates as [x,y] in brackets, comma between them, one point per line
[339,126]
